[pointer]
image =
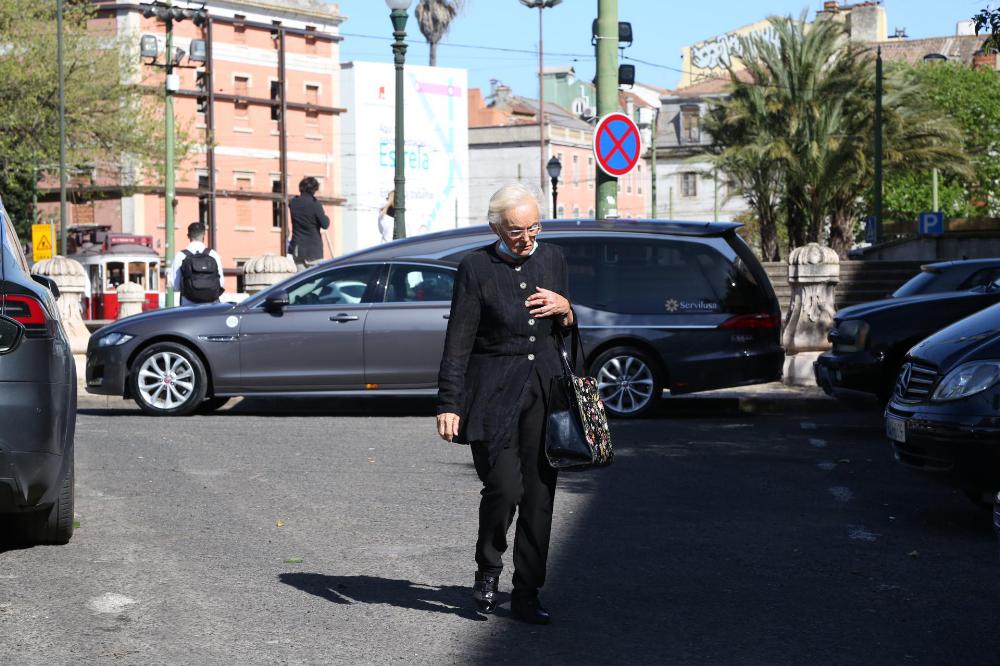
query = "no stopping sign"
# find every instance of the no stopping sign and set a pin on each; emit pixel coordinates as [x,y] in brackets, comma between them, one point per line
[616,144]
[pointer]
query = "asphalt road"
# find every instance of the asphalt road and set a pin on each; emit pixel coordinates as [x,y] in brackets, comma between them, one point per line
[277,533]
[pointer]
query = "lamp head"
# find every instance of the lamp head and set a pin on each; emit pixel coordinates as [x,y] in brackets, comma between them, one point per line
[554,167]
[398,4]
[149,47]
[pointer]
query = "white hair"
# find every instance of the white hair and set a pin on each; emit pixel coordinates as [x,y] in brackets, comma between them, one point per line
[508,197]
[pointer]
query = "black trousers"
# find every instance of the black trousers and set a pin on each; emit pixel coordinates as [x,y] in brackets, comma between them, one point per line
[520,480]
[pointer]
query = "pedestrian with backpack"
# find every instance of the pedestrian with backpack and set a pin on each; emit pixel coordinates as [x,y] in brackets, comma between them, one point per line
[196,271]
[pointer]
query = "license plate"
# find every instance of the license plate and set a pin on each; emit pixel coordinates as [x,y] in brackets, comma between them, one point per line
[895,429]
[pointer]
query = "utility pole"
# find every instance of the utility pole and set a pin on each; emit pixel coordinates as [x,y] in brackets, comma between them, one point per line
[934,190]
[542,5]
[877,196]
[62,128]
[607,97]
[652,185]
[170,87]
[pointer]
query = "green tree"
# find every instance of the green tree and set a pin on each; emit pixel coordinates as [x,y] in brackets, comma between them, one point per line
[113,123]
[970,98]
[804,110]
[434,17]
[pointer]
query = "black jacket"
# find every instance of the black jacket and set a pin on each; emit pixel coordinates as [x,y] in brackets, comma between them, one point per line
[493,343]
[308,218]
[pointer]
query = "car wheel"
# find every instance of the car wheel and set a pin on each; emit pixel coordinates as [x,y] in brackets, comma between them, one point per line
[168,379]
[627,380]
[209,405]
[54,526]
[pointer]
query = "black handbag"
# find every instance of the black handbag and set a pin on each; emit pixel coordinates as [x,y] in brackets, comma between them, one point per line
[576,427]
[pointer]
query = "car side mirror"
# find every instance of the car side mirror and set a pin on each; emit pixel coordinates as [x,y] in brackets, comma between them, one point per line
[277,301]
[47,282]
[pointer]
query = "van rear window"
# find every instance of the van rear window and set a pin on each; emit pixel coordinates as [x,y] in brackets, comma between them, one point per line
[645,276]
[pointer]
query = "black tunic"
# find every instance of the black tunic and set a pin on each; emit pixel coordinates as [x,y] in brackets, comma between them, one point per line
[493,342]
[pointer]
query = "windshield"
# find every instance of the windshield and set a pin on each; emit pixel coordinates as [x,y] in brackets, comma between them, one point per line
[918,284]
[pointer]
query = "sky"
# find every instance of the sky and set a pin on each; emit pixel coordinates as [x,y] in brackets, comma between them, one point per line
[660,28]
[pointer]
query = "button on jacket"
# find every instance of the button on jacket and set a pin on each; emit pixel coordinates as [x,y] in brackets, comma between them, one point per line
[493,343]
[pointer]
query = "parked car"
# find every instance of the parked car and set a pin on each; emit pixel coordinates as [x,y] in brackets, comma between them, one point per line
[37,404]
[683,306]
[958,275]
[944,416]
[870,340]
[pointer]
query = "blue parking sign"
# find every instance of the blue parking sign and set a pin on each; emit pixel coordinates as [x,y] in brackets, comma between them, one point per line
[931,223]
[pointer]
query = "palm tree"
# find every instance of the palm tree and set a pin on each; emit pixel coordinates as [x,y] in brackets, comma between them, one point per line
[804,112]
[434,18]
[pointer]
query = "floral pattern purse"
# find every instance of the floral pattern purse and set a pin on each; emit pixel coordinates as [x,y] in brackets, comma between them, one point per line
[576,434]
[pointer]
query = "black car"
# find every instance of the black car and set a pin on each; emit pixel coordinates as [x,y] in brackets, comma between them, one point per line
[944,415]
[37,404]
[682,306]
[870,340]
[957,275]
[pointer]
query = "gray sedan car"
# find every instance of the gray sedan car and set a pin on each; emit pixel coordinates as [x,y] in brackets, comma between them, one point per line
[678,306]
[37,404]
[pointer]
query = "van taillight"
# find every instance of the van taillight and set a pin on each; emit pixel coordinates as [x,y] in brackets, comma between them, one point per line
[26,310]
[759,320]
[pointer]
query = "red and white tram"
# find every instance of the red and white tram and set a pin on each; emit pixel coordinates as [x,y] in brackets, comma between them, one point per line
[110,259]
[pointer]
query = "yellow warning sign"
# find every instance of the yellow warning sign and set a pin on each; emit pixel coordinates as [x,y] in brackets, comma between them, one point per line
[41,242]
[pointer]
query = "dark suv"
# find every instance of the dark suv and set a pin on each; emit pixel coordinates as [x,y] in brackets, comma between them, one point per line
[683,306]
[37,404]
[679,305]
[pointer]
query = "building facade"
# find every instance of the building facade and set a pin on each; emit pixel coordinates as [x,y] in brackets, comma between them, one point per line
[262,112]
[436,155]
[504,148]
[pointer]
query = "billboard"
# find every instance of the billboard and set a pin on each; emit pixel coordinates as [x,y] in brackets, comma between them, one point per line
[436,155]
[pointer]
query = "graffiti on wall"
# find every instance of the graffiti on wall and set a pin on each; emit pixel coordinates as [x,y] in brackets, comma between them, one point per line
[719,52]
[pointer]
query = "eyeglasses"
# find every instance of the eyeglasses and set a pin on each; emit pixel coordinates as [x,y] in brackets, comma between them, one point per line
[516,234]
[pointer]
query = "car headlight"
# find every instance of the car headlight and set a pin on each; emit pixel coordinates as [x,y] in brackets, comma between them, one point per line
[113,339]
[851,335]
[967,379]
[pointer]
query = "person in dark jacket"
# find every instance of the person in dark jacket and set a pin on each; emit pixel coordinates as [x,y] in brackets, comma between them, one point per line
[308,219]
[500,354]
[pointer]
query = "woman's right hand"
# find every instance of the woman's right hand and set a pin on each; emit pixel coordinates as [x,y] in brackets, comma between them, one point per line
[448,425]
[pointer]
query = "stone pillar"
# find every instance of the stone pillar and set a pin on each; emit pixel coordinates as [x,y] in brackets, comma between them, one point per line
[71,278]
[131,296]
[261,272]
[813,273]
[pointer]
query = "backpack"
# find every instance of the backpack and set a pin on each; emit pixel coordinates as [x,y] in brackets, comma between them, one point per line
[200,277]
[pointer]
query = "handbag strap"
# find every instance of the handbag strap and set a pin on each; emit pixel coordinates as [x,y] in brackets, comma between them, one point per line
[575,345]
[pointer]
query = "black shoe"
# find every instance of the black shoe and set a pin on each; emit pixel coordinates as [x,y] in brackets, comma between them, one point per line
[529,609]
[484,591]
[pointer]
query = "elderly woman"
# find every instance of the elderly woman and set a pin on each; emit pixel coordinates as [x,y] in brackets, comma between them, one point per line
[500,354]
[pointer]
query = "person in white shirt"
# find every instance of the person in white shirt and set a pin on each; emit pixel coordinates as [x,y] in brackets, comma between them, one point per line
[196,245]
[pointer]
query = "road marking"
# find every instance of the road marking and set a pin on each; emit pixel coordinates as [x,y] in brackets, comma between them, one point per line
[109,602]
[826,465]
[817,443]
[841,493]
[859,533]
[807,425]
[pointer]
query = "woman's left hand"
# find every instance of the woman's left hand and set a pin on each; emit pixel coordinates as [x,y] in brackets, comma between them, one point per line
[546,303]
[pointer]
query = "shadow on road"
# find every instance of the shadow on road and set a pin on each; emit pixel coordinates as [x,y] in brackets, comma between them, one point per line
[723,542]
[393,592]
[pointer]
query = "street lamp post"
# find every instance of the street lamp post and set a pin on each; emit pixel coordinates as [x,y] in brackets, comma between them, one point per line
[62,129]
[169,14]
[554,167]
[540,5]
[398,16]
